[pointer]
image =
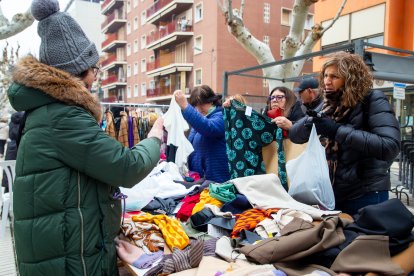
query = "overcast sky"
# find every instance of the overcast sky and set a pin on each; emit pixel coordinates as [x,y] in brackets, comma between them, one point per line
[28,39]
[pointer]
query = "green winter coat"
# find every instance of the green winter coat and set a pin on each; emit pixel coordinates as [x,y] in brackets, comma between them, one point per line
[65,218]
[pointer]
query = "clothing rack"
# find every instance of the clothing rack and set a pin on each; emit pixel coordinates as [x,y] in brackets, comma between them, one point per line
[136,105]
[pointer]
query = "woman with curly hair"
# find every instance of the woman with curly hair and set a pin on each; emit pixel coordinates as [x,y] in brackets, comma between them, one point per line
[359,131]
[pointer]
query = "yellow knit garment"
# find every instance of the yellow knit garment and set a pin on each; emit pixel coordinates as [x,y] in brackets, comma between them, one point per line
[205,198]
[171,229]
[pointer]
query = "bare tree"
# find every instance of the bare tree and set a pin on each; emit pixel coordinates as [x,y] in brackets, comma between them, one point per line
[8,59]
[19,22]
[292,45]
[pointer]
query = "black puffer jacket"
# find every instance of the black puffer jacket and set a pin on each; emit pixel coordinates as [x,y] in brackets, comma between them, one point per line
[369,140]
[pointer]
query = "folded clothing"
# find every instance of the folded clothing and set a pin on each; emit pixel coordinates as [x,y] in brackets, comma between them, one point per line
[146,260]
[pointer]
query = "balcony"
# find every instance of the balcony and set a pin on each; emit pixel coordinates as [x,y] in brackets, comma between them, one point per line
[113,22]
[174,32]
[113,81]
[162,10]
[110,5]
[112,42]
[167,64]
[112,62]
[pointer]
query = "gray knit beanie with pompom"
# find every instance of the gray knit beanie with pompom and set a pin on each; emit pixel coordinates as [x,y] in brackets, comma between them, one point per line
[63,45]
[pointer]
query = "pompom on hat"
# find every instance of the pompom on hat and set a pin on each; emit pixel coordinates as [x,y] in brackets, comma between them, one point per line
[63,45]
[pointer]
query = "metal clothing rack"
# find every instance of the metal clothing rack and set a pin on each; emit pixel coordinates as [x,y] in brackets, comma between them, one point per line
[136,105]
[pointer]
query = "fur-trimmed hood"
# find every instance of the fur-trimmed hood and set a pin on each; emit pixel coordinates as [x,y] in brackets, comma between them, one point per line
[55,83]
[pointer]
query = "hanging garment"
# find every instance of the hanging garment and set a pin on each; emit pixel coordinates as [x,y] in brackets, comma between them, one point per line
[176,125]
[123,129]
[245,137]
[134,116]
[110,124]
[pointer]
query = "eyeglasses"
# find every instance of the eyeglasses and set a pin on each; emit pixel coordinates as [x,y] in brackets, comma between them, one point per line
[96,70]
[278,98]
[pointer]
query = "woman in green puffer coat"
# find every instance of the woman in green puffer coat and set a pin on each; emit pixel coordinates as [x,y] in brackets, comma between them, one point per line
[66,214]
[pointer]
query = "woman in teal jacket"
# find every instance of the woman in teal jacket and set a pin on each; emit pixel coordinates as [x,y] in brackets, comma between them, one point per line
[66,209]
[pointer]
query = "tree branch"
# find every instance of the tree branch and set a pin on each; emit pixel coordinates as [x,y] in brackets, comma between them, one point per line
[335,18]
[242,8]
[229,11]
[19,22]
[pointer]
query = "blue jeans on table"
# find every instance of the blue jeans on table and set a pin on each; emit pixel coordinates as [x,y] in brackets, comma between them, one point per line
[352,206]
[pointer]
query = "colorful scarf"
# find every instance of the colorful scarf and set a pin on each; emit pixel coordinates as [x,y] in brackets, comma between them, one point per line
[333,108]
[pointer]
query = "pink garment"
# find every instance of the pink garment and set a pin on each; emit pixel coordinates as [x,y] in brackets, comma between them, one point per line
[194,175]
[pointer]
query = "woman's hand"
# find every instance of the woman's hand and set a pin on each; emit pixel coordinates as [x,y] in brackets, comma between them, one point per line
[127,251]
[227,102]
[157,129]
[180,99]
[283,122]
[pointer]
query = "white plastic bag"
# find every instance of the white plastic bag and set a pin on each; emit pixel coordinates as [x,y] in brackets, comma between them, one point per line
[309,175]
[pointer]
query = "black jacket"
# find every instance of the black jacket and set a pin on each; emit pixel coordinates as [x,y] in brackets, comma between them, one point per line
[369,140]
[296,112]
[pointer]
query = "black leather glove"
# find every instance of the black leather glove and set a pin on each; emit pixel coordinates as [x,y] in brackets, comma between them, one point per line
[326,127]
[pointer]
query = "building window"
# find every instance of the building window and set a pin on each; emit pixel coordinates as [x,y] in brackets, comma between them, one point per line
[143,89]
[128,8]
[128,27]
[135,23]
[129,92]
[286,17]
[198,77]
[135,45]
[143,41]
[135,3]
[348,27]
[143,65]
[136,68]
[128,70]
[266,13]
[309,22]
[266,39]
[128,49]
[198,45]
[379,40]
[136,92]
[143,17]
[152,85]
[198,12]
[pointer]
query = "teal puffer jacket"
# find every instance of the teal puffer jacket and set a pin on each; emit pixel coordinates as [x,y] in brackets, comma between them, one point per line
[67,171]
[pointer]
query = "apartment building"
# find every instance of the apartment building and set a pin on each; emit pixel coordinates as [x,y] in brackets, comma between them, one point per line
[156,47]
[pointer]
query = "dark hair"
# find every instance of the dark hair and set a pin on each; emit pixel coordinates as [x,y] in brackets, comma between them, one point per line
[83,74]
[204,94]
[290,100]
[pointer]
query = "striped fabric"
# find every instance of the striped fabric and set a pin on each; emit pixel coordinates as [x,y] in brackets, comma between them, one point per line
[249,219]
[184,259]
